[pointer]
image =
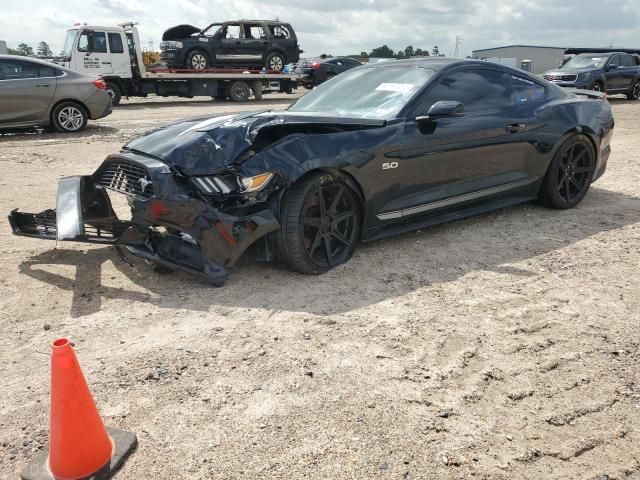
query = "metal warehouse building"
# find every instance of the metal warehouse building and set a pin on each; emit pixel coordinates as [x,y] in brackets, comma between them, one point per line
[532,58]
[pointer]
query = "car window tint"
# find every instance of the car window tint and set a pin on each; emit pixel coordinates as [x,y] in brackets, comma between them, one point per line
[524,90]
[17,70]
[626,61]
[115,43]
[254,31]
[232,31]
[46,71]
[614,60]
[477,89]
[95,42]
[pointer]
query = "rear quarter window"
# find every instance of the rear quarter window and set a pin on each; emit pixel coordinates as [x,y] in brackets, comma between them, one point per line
[525,90]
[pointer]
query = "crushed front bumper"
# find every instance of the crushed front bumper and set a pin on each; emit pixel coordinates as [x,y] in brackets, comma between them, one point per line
[196,238]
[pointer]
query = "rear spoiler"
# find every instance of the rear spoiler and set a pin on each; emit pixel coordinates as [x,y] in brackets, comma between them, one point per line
[589,93]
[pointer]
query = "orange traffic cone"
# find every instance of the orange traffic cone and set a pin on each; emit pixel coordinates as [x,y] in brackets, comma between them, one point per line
[79,444]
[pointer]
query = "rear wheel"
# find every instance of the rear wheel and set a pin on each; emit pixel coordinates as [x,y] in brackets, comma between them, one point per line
[275,61]
[198,60]
[69,117]
[113,89]
[320,224]
[634,93]
[570,173]
[239,91]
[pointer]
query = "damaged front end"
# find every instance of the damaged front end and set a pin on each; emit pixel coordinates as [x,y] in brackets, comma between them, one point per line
[171,222]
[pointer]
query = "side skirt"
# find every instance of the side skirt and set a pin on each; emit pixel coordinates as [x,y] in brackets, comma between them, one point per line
[383,231]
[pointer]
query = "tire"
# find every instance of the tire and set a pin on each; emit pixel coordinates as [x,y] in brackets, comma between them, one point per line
[198,60]
[274,61]
[239,91]
[634,93]
[69,117]
[569,175]
[114,91]
[321,222]
[598,87]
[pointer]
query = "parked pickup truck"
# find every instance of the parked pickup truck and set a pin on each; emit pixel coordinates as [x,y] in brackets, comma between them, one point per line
[614,73]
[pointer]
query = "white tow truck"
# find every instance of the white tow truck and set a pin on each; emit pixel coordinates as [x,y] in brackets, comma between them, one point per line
[115,54]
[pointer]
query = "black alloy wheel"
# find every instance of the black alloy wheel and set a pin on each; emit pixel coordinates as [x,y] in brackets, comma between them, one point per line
[570,174]
[634,93]
[321,223]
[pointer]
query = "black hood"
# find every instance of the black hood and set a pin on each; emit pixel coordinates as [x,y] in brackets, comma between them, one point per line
[179,32]
[568,71]
[205,146]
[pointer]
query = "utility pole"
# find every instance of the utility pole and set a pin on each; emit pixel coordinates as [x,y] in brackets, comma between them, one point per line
[456,52]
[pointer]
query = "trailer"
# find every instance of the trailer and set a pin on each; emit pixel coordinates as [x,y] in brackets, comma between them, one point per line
[115,55]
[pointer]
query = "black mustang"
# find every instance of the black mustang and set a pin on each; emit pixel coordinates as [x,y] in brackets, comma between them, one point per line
[378,150]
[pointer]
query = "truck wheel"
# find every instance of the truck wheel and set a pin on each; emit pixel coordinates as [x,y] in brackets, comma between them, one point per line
[114,92]
[634,93]
[197,60]
[69,117]
[239,91]
[275,62]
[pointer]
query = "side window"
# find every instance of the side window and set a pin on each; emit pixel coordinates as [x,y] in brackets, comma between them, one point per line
[46,71]
[524,91]
[231,31]
[477,89]
[17,70]
[94,42]
[253,31]
[626,61]
[280,32]
[115,43]
[614,60]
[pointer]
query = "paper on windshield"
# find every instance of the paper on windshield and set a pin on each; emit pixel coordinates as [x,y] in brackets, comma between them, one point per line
[395,87]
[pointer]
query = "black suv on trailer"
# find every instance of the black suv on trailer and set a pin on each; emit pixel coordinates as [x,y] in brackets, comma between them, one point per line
[606,72]
[242,43]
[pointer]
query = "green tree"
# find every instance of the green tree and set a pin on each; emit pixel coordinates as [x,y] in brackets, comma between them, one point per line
[44,50]
[364,54]
[382,52]
[409,52]
[25,50]
[435,52]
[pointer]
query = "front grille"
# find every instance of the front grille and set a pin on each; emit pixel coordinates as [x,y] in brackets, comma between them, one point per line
[128,178]
[562,78]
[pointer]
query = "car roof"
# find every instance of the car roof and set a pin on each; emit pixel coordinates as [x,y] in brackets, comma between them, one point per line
[271,22]
[434,63]
[30,59]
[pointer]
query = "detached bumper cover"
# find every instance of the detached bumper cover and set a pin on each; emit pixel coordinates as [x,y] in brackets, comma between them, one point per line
[196,238]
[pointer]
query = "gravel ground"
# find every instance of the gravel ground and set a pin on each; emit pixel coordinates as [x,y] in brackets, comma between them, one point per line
[502,346]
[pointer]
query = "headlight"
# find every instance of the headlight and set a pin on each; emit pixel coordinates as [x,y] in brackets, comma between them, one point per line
[584,76]
[254,184]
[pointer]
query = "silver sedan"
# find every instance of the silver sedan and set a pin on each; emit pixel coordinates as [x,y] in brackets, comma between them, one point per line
[38,93]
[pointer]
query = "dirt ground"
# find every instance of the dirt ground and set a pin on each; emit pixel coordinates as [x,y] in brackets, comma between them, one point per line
[502,346]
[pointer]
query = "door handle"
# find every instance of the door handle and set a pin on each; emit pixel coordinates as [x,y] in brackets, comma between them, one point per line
[515,127]
[42,85]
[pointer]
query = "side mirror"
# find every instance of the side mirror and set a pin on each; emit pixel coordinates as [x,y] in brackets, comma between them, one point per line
[443,109]
[612,66]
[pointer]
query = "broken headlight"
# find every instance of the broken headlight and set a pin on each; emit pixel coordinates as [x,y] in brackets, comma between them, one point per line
[226,184]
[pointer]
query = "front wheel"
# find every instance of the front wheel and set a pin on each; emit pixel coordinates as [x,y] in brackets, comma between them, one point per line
[598,87]
[114,92]
[69,117]
[321,221]
[197,60]
[634,93]
[569,176]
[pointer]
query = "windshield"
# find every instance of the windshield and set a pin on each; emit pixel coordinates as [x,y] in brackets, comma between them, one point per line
[586,61]
[378,93]
[68,43]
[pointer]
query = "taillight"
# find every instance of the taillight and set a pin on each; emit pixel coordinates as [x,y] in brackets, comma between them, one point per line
[315,65]
[101,84]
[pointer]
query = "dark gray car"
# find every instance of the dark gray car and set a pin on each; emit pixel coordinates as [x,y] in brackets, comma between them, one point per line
[38,93]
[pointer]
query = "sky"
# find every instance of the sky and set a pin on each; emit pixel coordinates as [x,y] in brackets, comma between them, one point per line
[341,27]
